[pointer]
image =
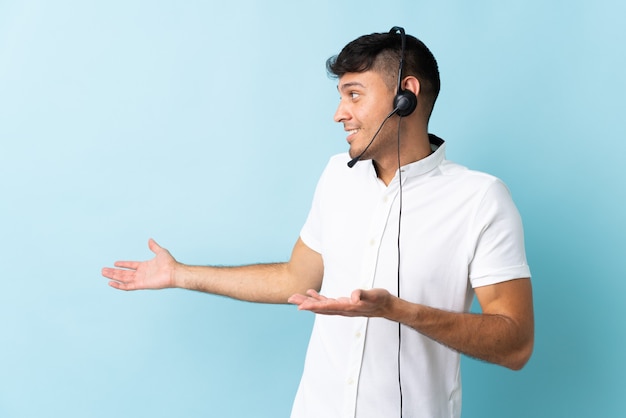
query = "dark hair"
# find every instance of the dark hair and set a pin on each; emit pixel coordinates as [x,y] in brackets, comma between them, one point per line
[381,52]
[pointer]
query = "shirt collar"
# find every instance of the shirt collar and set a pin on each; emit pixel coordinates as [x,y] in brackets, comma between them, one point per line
[428,163]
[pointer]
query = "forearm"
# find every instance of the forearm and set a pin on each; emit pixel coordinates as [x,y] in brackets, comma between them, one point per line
[493,338]
[266,283]
[502,334]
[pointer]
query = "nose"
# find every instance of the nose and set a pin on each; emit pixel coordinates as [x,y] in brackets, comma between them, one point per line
[341,114]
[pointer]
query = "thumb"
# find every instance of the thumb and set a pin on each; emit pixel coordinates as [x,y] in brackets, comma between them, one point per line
[154,247]
[356,296]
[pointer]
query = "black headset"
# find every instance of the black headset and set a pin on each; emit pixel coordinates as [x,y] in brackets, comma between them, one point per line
[405,101]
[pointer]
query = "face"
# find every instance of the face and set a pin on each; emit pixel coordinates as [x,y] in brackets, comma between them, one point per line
[365,102]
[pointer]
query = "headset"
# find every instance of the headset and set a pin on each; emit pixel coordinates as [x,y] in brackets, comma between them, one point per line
[405,101]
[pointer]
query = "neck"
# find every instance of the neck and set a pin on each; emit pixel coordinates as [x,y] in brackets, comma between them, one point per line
[412,148]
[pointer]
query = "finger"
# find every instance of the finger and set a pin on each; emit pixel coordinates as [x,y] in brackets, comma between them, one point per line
[326,305]
[109,272]
[331,310]
[118,274]
[127,264]
[315,295]
[296,299]
[120,285]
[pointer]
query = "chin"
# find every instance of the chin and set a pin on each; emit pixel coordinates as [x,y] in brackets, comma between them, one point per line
[354,152]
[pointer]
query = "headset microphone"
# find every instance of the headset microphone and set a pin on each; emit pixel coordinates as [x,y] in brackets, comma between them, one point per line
[405,101]
[353,161]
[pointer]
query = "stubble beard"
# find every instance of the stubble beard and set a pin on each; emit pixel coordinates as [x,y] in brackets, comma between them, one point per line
[380,142]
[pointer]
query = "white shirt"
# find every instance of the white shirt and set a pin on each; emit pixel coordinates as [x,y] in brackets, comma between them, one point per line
[459,230]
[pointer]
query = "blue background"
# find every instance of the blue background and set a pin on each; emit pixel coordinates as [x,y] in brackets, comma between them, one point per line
[206,126]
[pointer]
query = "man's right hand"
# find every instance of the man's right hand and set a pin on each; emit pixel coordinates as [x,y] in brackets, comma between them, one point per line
[157,273]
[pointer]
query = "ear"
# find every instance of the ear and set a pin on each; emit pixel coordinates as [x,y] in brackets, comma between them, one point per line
[412,84]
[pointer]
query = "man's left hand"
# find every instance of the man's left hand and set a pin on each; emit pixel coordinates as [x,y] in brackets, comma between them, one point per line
[368,303]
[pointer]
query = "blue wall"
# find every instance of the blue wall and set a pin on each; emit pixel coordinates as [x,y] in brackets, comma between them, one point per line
[207,126]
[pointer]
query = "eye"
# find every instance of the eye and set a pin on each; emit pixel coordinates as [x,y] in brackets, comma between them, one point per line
[353,95]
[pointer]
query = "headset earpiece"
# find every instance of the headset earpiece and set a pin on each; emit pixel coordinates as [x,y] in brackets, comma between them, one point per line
[405,101]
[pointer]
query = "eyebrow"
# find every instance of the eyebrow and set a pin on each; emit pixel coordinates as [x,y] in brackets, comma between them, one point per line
[349,85]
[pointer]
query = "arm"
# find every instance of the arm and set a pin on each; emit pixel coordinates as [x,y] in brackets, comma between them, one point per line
[503,333]
[269,283]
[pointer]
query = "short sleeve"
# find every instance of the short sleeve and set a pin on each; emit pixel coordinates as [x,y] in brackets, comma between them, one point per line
[499,253]
[311,232]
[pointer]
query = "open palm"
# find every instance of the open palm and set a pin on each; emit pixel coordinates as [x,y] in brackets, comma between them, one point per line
[156,273]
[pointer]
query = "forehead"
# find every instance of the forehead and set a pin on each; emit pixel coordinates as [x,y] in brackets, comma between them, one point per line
[368,80]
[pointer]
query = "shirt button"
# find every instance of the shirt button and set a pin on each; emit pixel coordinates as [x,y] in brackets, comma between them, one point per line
[358,335]
[351,381]
[372,242]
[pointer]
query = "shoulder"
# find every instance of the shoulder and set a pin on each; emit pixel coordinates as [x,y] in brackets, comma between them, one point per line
[468,179]
[338,161]
[337,168]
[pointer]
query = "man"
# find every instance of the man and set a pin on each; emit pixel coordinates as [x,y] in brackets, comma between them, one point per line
[395,254]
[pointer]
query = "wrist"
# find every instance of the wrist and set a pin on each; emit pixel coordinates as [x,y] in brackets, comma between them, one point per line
[402,311]
[178,275]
